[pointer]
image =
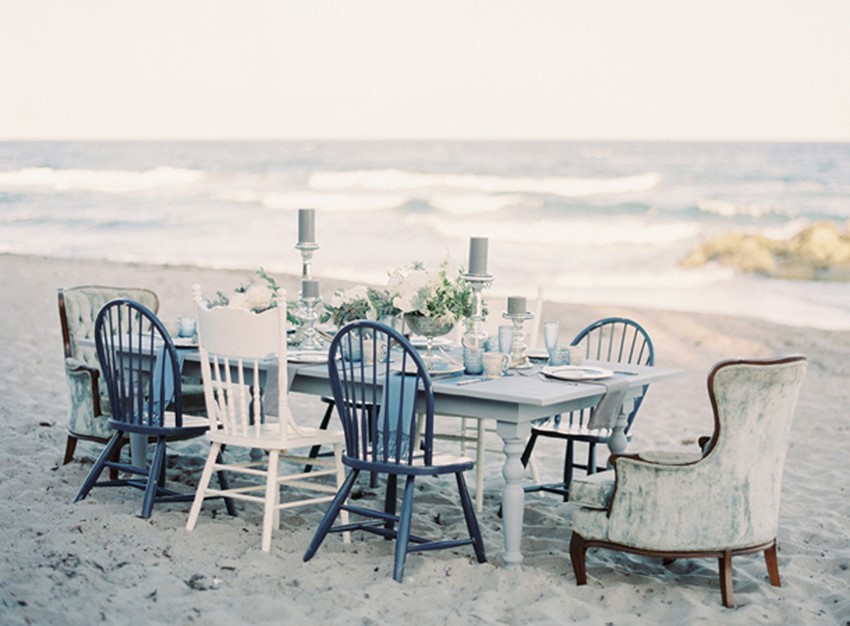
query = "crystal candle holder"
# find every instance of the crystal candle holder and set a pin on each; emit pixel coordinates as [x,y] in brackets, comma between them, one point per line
[306,250]
[519,359]
[311,339]
[477,282]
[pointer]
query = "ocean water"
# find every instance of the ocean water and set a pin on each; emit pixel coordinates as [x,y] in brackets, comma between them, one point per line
[587,222]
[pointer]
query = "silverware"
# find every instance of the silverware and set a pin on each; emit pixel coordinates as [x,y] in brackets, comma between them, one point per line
[472,380]
[625,373]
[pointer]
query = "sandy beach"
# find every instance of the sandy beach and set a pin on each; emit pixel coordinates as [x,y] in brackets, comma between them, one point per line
[97,562]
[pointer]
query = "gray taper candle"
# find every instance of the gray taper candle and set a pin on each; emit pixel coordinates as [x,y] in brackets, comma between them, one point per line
[306,225]
[478,255]
[516,305]
[310,288]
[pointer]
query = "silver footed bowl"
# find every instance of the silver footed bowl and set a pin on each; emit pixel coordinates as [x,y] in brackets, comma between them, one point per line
[427,326]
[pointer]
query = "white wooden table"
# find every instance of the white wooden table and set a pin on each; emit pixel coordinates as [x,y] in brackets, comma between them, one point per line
[512,402]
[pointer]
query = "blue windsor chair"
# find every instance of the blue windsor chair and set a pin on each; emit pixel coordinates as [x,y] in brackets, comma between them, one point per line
[141,368]
[384,444]
[613,339]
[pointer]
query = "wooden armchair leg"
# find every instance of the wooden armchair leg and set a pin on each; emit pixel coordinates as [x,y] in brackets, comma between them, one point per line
[772,565]
[725,566]
[70,446]
[578,550]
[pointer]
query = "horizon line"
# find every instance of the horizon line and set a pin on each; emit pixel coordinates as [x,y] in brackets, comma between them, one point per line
[411,140]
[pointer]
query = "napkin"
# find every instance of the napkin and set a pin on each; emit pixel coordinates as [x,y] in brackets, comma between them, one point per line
[394,417]
[606,412]
[163,375]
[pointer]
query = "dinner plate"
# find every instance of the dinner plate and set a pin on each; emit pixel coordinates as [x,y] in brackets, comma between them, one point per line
[445,369]
[306,356]
[576,372]
[438,368]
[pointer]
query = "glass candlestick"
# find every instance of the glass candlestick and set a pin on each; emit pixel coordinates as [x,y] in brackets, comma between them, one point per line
[306,250]
[309,316]
[477,335]
[519,359]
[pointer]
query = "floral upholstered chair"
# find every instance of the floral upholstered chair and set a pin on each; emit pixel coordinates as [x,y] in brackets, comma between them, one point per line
[89,402]
[721,502]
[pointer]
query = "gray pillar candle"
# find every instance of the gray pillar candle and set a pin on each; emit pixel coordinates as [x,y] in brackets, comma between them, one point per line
[478,256]
[309,288]
[306,225]
[516,305]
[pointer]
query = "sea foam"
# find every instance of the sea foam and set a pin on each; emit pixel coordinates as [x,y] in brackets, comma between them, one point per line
[565,186]
[103,181]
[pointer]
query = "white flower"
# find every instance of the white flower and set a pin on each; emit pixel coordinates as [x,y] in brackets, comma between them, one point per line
[347,296]
[256,296]
[411,289]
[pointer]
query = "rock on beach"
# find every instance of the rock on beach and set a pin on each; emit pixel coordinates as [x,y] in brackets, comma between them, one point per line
[818,252]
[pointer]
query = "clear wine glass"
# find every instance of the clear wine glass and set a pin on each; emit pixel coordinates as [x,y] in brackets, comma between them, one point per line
[550,335]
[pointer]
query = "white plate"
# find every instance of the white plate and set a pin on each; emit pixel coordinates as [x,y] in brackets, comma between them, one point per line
[576,372]
[538,354]
[440,368]
[306,356]
[445,369]
[185,342]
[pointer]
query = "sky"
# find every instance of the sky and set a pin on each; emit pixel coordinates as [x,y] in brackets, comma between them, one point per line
[769,70]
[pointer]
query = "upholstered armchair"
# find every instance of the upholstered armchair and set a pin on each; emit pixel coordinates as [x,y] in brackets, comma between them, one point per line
[719,502]
[89,410]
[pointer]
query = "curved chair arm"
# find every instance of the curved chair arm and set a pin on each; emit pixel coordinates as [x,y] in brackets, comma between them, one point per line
[661,457]
[85,416]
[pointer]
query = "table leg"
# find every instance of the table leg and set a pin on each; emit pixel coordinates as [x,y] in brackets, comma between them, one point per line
[617,442]
[513,497]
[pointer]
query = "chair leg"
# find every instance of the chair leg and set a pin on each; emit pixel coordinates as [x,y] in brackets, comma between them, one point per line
[725,566]
[116,457]
[200,492]
[772,565]
[471,520]
[390,498]
[529,448]
[270,508]
[98,466]
[224,483]
[569,459]
[578,551]
[331,513]
[154,478]
[326,419]
[479,469]
[70,446]
[403,537]
[591,457]
[340,480]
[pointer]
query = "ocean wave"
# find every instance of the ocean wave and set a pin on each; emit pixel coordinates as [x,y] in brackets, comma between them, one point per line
[337,201]
[331,202]
[725,208]
[565,186]
[104,181]
[598,232]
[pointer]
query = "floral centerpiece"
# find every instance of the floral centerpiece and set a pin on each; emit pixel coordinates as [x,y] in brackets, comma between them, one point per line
[258,295]
[440,295]
[348,305]
[359,303]
[432,301]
